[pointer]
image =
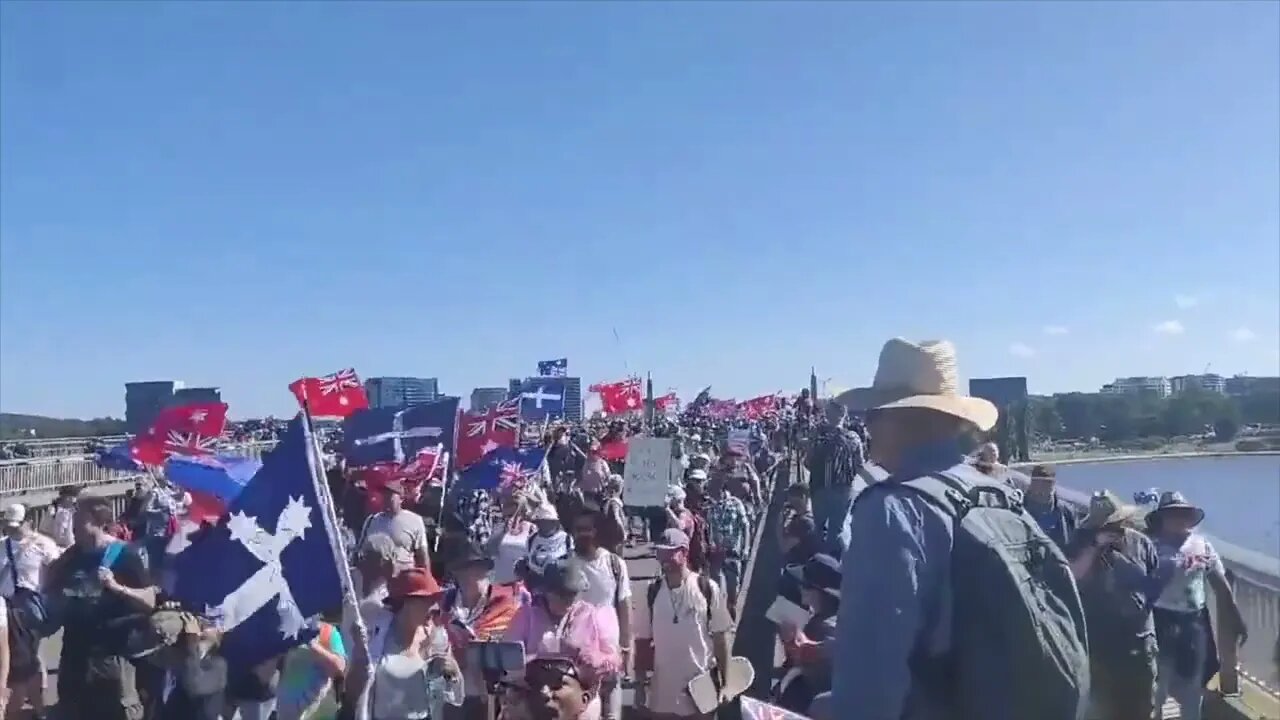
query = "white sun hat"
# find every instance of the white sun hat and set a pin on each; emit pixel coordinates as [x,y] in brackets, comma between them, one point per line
[920,375]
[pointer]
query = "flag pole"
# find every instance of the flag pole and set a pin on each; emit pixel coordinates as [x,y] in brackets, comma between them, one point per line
[329,516]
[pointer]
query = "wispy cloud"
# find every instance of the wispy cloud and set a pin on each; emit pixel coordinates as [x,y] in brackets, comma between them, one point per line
[1168,327]
[1055,330]
[1022,350]
[1243,335]
[1186,302]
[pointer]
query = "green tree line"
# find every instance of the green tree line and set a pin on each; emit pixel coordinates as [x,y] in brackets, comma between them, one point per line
[1119,418]
[19,427]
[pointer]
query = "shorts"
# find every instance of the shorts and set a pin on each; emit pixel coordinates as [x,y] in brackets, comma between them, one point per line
[98,688]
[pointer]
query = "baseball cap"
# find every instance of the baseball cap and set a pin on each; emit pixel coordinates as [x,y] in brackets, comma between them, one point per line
[673,539]
[15,514]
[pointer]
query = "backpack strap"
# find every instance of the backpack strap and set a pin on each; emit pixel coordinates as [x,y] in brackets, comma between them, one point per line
[111,554]
[615,566]
[13,566]
[955,495]
[704,587]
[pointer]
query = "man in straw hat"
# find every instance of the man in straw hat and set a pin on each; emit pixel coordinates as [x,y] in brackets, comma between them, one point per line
[1118,572]
[914,639]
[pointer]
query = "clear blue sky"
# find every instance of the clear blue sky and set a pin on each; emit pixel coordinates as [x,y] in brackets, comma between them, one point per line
[238,194]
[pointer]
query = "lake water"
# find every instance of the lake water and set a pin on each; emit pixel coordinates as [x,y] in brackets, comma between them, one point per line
[1240,494]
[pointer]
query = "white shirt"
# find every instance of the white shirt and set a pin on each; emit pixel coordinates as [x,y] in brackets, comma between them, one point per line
[4,615]
[682,647]
[32,554]
[512,548]
[604,589]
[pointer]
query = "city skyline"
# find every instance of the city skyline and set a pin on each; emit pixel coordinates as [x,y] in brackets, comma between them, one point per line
[1069,192]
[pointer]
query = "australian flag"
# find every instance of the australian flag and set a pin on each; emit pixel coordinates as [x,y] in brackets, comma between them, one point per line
[503,466]
[397,434]
[553,368]
[542,398]
[268,567]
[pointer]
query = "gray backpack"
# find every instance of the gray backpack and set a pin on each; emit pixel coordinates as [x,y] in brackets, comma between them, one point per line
[1019,648]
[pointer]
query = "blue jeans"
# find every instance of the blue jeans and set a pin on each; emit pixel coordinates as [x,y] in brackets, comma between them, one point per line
[830,515]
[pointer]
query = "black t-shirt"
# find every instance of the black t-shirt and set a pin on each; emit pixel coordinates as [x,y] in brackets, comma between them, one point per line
[95,619]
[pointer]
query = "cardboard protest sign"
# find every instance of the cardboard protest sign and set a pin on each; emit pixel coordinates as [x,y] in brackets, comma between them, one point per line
[647,474]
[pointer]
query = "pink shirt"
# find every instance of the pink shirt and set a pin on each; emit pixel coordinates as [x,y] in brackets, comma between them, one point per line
[587,633]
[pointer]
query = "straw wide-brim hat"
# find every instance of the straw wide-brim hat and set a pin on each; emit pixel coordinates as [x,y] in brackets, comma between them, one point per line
[920,375]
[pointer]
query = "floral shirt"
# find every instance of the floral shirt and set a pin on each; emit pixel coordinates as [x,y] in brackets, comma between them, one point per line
[728,525]
[1192,561]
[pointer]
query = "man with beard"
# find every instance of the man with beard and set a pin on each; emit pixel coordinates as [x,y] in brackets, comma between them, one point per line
[682,631]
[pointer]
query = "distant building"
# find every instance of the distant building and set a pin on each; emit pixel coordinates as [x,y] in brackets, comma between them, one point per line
[385,392]
[1208,383]
[186,396]
[1249,385]
[143,401]
[572,395]
[1140,385]
[484,398]
[1002,392]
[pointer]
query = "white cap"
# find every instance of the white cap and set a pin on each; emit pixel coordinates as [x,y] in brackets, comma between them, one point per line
[15,514]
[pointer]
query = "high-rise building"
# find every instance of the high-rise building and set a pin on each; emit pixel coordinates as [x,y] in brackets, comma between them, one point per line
[143,401]
[572,395]
[385,392]
[484,398]
[1240,385]
[186,396]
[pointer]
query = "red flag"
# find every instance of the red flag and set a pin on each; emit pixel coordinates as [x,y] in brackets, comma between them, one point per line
[204,507]
[182,430]
[615,450]
[758,407]
[336,395]
[481,433]
[621,397]
[666,402]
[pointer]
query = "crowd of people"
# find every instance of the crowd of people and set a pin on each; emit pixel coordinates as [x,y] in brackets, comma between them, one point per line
[922,580]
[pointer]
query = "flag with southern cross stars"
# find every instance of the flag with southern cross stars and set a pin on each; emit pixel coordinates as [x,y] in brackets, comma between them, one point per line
[503,466]
[396,435]
[268,568]
[553,368]
[542,398]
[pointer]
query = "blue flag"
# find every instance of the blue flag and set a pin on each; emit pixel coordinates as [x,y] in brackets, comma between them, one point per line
[223,476]
[553,368]
[397,434]
[118,457]
[542,398]
[269,566]
[502,466]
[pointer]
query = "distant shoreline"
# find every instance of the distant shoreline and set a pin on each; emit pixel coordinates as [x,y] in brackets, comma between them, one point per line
[1132,457]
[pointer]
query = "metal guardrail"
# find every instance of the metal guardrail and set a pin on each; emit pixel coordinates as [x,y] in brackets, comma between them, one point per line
[46,474]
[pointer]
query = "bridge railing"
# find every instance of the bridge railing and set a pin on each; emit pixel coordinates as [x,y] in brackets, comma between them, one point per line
[46,474]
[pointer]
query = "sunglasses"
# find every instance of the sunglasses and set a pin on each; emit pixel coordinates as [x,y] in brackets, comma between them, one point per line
[550,672]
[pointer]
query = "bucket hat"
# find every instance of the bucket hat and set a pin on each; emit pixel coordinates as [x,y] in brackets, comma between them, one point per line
[1106,508]
[1174,500]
